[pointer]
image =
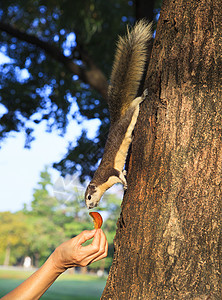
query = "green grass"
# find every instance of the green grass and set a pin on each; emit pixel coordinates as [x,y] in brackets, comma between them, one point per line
[66,287]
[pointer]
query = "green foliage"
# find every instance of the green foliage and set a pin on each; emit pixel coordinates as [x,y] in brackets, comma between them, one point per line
[43,204]
[74,228]
[51,220]
[85,33]
[44,236]
[13,235]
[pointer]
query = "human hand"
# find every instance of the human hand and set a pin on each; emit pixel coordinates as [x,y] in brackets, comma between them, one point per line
[72,254]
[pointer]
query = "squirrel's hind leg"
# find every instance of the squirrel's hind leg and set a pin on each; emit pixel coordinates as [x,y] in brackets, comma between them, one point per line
[140,99]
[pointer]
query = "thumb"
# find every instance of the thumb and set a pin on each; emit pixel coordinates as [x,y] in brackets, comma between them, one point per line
[86,235]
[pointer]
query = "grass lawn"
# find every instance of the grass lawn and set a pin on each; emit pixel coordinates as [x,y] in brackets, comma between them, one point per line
[66,287]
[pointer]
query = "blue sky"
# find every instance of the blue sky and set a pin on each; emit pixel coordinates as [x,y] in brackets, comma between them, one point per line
[20,168]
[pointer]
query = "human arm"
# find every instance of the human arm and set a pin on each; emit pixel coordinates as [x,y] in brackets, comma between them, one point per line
[69,254]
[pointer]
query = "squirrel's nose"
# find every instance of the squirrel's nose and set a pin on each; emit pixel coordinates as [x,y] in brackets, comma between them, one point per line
[91,205]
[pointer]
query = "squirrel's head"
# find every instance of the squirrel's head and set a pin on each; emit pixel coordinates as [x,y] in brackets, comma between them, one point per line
[92,195]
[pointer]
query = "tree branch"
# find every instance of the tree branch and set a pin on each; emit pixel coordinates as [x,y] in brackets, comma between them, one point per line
[94,76]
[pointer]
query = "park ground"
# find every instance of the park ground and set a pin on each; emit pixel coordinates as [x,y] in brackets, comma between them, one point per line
[66,287]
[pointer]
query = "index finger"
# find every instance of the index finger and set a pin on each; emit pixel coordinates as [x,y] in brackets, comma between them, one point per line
[95,245]
[86,235]
[97,250]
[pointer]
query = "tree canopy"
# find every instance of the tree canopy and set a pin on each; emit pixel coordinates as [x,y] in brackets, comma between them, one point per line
[60,58]
[61,55]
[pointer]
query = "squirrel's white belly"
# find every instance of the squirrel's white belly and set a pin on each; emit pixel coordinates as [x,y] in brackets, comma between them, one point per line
[124,147]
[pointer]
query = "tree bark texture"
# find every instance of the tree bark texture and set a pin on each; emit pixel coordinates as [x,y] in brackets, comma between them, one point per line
[168,243]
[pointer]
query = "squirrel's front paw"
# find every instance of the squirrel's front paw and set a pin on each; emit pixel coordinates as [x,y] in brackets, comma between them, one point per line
[124,172]
[123,180]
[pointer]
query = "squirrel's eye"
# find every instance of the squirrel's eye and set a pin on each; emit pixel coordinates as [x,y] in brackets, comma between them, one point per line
[89,197]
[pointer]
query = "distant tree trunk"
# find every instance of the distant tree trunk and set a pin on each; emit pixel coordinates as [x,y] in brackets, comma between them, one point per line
[102,265]
[71,270]
[168,243]
[36,259]
[83,270]
[7,256]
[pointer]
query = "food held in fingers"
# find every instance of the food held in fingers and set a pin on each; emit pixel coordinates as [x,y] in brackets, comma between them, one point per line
[97,219]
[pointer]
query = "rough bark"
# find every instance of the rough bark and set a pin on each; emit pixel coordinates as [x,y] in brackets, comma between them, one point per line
[168,243]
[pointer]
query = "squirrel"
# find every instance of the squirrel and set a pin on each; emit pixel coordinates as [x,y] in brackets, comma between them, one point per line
[127,73]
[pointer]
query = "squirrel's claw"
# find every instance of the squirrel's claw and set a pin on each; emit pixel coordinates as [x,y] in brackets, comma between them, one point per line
[145,94]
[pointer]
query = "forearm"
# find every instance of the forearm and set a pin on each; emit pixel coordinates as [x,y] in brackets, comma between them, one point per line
[35,286]
[69,254]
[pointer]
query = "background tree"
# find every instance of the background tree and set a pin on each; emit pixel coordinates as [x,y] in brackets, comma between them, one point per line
[48,221]
[168,241]
[61,54]
[13,237]
[43,237]
[44,204]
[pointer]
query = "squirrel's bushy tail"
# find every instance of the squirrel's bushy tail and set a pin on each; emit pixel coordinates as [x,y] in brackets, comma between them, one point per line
[128,68]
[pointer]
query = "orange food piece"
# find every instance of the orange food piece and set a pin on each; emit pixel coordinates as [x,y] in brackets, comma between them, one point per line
[97,219]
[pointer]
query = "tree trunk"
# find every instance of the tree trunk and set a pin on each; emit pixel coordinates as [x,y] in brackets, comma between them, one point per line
[168,243]
[7,256]
[36,259]
[83,270]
